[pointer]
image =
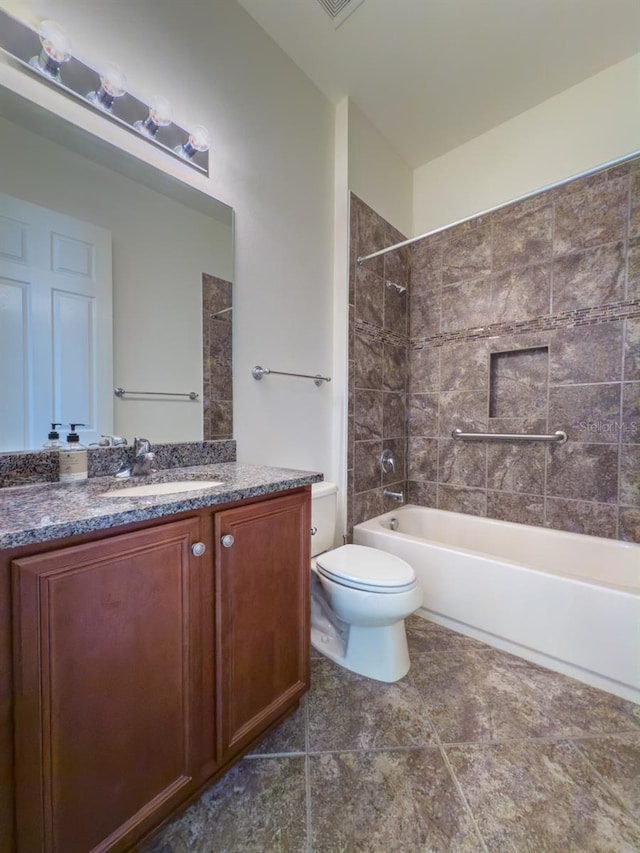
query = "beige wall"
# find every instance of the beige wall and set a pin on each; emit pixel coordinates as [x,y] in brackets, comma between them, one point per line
[583,127]
[377,174]
[271,160]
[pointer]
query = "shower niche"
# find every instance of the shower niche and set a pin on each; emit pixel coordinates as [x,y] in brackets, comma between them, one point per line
[519,383]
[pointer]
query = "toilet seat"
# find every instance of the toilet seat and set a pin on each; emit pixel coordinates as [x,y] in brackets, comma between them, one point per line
[367,569]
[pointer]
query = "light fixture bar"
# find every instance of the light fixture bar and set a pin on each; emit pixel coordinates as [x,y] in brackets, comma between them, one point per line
[86,85]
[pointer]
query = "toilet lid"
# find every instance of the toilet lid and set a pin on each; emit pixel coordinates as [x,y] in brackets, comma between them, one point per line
[364,568]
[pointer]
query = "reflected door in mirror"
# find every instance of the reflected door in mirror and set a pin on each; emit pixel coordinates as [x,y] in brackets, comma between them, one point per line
[56,329]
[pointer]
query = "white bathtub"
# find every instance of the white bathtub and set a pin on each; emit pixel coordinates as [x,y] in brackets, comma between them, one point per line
[567,601]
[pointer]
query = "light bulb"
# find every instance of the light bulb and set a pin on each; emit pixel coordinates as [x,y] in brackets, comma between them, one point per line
[160,115]
[56,49]
[198,141]
[113,84]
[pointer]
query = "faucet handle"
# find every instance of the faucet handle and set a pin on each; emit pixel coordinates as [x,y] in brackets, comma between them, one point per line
[140,445]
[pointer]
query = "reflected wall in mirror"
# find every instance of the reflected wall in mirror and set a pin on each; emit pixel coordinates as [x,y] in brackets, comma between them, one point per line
[172,267]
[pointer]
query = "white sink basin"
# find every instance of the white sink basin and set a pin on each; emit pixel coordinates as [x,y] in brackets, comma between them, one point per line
[150,489]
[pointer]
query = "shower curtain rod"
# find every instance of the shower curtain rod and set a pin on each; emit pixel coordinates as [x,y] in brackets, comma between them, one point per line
[361,258]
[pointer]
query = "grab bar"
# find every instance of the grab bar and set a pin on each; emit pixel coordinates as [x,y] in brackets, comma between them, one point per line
[120,392]
[258,372]
[559,436]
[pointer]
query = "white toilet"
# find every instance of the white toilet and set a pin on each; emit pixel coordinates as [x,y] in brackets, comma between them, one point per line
[360,598]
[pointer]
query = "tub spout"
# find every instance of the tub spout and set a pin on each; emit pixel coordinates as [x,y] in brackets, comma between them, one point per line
[395,496]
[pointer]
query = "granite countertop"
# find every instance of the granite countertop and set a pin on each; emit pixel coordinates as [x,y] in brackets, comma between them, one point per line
[42,513]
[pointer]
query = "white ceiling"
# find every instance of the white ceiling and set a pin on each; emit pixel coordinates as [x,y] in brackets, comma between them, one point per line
[432,74]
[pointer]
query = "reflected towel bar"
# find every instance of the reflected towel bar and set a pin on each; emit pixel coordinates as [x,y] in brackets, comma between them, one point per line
[120,392]
[559,436]
[258,372]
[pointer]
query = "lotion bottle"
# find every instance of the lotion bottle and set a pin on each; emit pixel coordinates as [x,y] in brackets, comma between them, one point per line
[73,458]
[54,442]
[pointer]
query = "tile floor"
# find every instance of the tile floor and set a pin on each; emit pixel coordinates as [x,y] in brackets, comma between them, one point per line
[474,750]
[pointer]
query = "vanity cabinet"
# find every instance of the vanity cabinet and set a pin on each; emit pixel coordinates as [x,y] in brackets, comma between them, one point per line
[263,614]
[143,668]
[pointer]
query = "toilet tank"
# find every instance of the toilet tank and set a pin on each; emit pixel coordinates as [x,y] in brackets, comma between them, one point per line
[324,497]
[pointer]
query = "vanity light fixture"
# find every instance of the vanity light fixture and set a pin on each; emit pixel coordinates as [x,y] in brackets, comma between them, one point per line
[160,115]
[47,51]
[113,84]
[198,141]
[56,49]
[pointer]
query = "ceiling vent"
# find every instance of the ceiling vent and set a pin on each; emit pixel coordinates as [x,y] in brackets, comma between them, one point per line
[339,10]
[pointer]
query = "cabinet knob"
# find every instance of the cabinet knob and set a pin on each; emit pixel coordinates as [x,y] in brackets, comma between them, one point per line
[198,549]
[314,530]
[227,540]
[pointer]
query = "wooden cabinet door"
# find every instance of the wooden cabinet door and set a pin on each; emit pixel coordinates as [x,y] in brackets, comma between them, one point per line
[108,687]
[262,583]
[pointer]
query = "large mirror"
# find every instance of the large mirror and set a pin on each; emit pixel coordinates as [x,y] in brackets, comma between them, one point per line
[167,250]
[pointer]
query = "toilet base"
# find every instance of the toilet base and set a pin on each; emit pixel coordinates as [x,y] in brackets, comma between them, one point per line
[380,652]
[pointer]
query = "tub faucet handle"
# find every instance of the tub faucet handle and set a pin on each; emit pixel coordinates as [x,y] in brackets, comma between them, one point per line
[387,461]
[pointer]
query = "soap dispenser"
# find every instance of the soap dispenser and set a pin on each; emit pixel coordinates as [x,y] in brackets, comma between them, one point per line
[73,458]
[54,442]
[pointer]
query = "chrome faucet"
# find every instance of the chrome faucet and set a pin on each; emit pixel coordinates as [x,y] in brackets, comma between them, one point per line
[395,496]
[143,460]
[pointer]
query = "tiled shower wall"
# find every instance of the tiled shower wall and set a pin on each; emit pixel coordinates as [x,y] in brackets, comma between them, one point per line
[217,386]
[526,320]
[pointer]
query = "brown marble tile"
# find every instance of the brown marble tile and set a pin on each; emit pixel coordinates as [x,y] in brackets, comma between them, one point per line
[466,305]
[368,414]
[422,458]
[521,294]
[617,761]
[394,415]
[398,446]
[395,309]
[288,737]
[629,524]
[532,797]
[464,366]
[424,315]
[591,217]
[369,303]
[634,221]
[423,414]
[516,467]
[380,715]
[394,368]
[462,463]
[522,238]
[396,263]
[630,474]
[387,801]
[521,509]
[583,472]
[582,517]
[371,235]
[422,493]
[630,429]
[426,256]
[424,369]
[588,413]
[259,805]
[367,474]
[426,637]
[633,268]
[367,505]
[490,695]
[462,499]
[221,418]
[465,410]
[467,256]
[518,383]
[368,356]
[632,349]
[586,354]
[590,278]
